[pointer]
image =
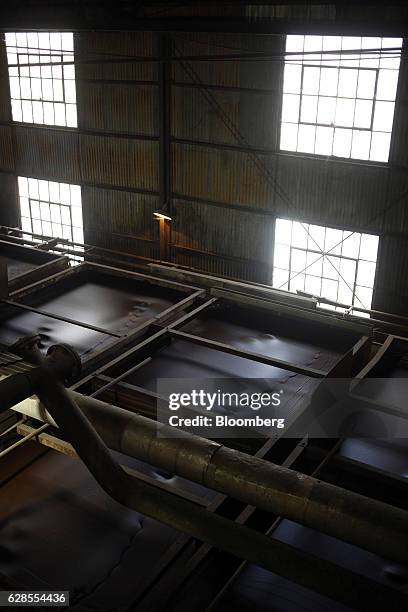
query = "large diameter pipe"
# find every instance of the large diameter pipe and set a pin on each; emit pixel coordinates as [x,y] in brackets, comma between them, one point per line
[60,362]
[232,537]
[369,524]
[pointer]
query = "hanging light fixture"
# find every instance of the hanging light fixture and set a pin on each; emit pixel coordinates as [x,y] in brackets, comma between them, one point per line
[163,212]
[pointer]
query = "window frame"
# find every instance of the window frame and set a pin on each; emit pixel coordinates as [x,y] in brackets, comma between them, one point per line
[355,302]
[29,199]
[58,98]
[301,59]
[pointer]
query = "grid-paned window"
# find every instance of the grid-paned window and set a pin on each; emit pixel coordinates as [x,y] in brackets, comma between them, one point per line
[51,209]
[42,77]
[335,264]
[339,95]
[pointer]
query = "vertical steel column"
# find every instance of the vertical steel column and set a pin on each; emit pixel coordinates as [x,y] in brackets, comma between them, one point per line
[164,140]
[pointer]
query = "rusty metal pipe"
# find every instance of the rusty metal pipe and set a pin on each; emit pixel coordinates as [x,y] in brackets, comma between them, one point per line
[354,518]
[61,361]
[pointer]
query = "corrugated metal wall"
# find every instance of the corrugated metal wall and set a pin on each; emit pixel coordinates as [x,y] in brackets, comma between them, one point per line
[228,179]
[118,115]
[114,152]
[211,101]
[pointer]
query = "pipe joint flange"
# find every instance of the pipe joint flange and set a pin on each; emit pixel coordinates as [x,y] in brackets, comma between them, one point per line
[65,360]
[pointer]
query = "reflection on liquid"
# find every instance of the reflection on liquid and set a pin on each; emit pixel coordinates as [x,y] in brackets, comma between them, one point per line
[113,307]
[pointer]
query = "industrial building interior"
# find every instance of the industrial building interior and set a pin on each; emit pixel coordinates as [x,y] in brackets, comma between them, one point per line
[204,194]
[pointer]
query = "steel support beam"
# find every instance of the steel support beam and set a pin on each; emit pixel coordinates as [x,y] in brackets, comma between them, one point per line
[360,18]
[232,350]
[164,141]
[52,315]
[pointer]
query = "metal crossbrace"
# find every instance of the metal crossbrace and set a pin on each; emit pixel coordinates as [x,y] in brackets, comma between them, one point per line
[244,515]
[146,342]
[121,377]
[14,426]
[118,58]
[26,438]
[325,254]
[259,55]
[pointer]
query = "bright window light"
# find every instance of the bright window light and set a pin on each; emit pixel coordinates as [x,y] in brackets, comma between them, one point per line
[340,104]
[51,209]
[42,77]
[335,264]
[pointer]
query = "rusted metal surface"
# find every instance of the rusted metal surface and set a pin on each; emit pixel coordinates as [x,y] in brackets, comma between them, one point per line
[121,212]
[223,232]
[45,153]
[391,292]
[116,162]
[8,199]
[95,45]
[340,193]
[115,219]
[215,239]
[212,282]
[202,171]
[127,108]
[221,265]
[6,148]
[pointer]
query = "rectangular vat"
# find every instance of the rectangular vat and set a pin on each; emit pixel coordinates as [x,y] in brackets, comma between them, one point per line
[94,308]
[230,342]
[27,265]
